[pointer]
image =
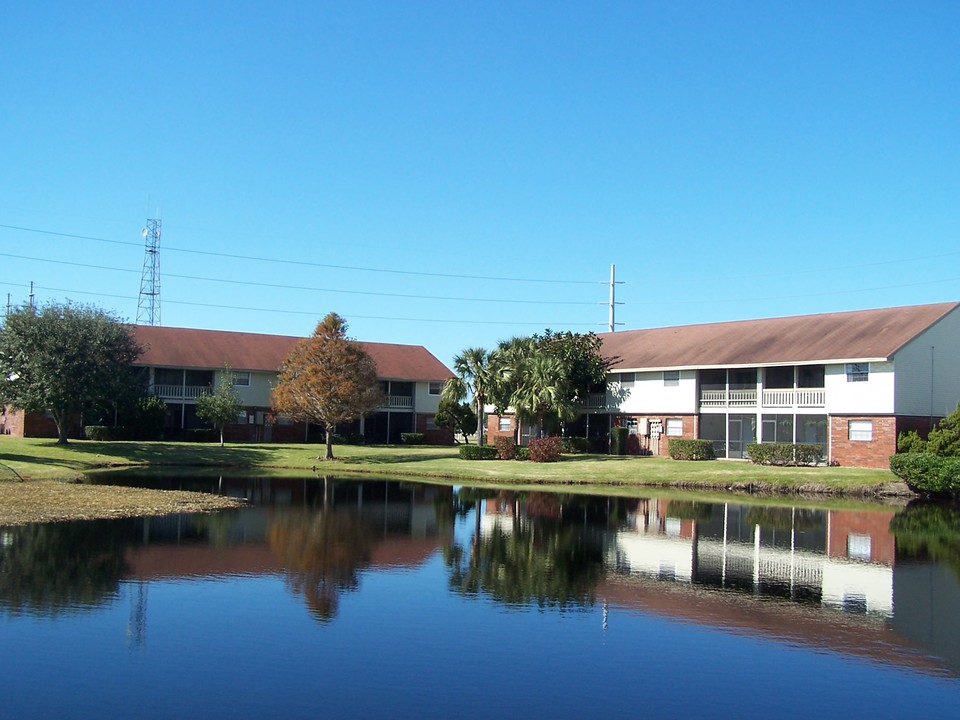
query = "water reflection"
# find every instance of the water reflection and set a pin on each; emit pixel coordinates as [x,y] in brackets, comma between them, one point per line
[871,582]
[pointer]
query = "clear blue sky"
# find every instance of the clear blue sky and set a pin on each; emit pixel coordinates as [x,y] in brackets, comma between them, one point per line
[733,159]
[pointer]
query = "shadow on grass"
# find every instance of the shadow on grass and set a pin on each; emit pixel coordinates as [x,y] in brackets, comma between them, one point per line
[392,455]
[157,453]
[34,460]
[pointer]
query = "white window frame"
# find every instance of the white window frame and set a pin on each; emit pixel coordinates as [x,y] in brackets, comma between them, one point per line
[674,427]
[860,430]
[240,379]
[671,378]
[435,388]
[858,372]
[500,423]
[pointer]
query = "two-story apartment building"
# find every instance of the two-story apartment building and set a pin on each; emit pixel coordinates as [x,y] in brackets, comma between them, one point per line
[848,381]
[181,363]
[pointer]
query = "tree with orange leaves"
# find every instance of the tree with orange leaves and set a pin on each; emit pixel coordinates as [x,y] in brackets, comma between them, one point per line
[328,379]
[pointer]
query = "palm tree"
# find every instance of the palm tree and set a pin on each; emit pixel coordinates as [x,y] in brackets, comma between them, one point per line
[541,390]
[475,376]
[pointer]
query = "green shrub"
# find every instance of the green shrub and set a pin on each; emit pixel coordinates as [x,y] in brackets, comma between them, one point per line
[412,438]
[770,453]
[928,473]
[686,449]
[911,442]
[348,439]
[506,447]
[618,440]
[577,445]
[523,453]
[475,452]
[201,435]
[545,449]
[808,454]
[100,433]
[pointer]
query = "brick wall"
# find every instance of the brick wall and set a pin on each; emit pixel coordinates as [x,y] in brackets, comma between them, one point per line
[874,453]
[494,431]
[436,436]
[875,524]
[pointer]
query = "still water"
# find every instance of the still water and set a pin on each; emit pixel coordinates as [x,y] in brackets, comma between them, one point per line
[378,598]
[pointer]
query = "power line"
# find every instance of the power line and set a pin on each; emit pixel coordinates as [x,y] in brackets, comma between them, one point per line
[313,314]
[277,286]
[304,263]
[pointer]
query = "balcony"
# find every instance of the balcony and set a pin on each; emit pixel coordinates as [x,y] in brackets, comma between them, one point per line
[769,398]
[180,392]
[397,402]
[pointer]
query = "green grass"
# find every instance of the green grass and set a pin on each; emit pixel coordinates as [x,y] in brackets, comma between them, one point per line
[41,458]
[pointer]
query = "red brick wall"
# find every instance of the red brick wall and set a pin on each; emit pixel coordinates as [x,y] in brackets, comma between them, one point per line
[493,428]
[437,436]
[859,453]
[854,522]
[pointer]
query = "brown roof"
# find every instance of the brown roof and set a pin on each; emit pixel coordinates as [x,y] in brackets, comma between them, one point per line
[857,335]
[211,349]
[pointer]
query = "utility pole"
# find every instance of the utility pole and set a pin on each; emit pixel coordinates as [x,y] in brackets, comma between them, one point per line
[612,325]
[31,294]
[148,306]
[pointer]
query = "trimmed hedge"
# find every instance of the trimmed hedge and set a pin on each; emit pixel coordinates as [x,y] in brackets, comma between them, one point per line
[545,449]
[348,439]
[577,445]
[784,454]
[523,453]
[686,449]
[928,473]
[506,448]
[412,438]
[475,452]
[101,433]
[618,440]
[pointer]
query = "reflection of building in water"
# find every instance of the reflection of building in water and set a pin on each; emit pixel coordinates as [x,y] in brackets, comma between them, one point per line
[838,558]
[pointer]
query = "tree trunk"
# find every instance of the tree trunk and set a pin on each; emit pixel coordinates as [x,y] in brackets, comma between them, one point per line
[479,423]
[63,425]
[329,453]
[221,436]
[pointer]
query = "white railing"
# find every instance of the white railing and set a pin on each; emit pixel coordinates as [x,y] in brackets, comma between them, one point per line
[594,401]
[789,397]
[731,398]
[180,392]
[402,402]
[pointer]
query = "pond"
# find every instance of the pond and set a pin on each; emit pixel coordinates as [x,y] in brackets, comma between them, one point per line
[380,598]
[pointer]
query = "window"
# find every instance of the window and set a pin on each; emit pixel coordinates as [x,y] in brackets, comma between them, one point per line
[858,372]
[674,427]
[860,430]
[858,547]
[627,379]
[671,378]
[431,423]
[504,423]
[436,388]
[241,379]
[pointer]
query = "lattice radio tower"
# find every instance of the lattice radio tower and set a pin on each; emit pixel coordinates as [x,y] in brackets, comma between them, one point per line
[148,307]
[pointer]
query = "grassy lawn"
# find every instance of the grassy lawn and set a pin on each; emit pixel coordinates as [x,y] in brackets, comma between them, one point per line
[44,459]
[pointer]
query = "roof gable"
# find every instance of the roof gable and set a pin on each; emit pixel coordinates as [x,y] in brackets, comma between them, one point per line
[861,334]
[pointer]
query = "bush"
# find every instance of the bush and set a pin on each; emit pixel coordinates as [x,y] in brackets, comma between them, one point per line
[911,442]
[201,435]
[475,452]
[618,440]
[928,473]
[523,453]
[506,448]
[808,454]
[412,438]
[545,449]
[101,433]
[784,454]
[348,439]
[577,445]
[685,449]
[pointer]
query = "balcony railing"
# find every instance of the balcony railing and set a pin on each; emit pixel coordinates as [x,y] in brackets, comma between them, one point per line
[397,402]
[180,392]
[595,401]
[773,398]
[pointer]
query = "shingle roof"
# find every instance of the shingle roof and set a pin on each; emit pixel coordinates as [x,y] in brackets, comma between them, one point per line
[211,349]
[857,335]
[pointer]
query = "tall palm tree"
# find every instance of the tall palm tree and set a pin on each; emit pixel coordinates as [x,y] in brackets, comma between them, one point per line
[541,390]
[475,377]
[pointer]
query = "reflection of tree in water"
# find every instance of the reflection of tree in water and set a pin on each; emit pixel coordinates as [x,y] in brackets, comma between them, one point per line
[57,567]
[929,529]
[785,518]
[321,553]
[524,560]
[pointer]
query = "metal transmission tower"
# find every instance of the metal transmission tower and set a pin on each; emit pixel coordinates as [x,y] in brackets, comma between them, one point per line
[148,307]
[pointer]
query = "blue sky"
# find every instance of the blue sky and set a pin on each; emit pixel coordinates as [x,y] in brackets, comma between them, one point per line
[456,173]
